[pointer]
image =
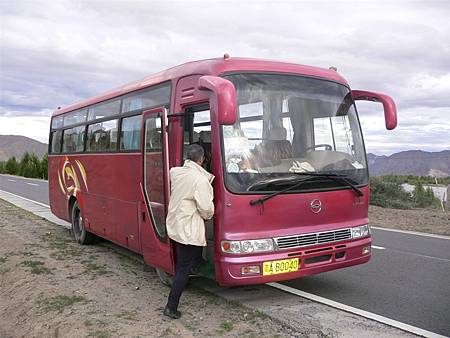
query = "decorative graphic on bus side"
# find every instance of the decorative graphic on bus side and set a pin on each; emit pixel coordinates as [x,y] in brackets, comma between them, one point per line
[68,178]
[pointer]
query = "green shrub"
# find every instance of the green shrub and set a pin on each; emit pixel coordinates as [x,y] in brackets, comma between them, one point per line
[414,180]
[12,167]
[43,167]
[387,192]
[424,198]
[29,166]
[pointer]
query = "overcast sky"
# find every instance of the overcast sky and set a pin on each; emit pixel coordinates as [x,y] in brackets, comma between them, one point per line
[54,53]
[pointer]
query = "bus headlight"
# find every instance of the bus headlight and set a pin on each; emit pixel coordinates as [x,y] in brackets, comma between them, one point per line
[248,246]
[361,231]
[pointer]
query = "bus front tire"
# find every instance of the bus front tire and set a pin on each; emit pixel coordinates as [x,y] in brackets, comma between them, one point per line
[78,230]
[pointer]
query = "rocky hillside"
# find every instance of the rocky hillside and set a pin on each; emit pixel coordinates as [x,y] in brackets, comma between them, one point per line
[411,162]
[15,145]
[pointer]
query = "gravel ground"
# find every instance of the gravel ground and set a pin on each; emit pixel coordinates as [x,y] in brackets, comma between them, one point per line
[422,220]
[52,287]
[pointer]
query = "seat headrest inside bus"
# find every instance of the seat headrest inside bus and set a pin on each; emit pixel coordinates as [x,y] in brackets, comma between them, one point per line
[205,136]
[277,134]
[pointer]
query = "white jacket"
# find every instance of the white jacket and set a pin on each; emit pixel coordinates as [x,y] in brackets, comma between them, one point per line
[191,202]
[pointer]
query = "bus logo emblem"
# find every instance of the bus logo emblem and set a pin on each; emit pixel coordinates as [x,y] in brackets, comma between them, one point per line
[316,206]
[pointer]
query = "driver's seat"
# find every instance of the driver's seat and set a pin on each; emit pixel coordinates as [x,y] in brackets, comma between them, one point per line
[277,147]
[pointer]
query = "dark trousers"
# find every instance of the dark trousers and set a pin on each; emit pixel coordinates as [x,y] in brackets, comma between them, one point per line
[188,257]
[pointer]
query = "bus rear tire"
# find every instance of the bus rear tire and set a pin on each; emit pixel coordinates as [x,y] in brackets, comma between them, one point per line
[79,232]
[164,277]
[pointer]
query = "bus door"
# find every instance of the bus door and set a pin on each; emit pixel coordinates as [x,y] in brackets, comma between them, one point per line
[197,130]
[156,245]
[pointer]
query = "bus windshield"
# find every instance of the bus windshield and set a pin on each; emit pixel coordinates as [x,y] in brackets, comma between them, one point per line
[289,125]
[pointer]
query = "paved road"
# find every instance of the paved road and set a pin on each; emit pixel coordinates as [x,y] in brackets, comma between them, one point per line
[408,280]
[36,190]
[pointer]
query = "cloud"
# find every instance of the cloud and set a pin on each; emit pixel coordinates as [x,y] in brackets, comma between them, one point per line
[54,53]
[418,128]
[37,127]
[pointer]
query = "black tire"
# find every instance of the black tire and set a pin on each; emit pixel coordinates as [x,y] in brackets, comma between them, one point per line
[79,232]
[164,277]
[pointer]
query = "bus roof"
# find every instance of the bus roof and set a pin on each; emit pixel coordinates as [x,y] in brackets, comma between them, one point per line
[214,66]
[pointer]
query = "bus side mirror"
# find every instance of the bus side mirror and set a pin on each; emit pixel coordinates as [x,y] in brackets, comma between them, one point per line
[390,110]
[223,98]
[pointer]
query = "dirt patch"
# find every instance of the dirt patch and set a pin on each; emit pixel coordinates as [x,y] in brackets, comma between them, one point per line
[423,220]
[52,287]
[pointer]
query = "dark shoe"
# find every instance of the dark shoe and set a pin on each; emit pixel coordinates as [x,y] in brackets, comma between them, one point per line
[174,314]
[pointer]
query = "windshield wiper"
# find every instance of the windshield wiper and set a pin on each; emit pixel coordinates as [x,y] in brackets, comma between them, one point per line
[309,176]
[273,181]
[265,198]
[336,178]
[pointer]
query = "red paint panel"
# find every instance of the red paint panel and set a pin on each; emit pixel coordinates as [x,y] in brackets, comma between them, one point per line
[110,194]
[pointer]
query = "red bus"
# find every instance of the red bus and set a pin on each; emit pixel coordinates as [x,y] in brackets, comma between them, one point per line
[283,140]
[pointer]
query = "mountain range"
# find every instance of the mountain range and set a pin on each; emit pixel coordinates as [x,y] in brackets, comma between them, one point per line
[16,145]
[411,162]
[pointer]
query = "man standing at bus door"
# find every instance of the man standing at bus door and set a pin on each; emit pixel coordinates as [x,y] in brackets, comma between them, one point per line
[191,202]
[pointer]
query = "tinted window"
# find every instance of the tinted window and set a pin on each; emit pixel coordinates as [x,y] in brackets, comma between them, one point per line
[153,136]
[57,122]
[104,109]
[73,140]
[102,136]
[291,124]
[77,116]
[56,142]
[130,134]
[154,181]
[151,98]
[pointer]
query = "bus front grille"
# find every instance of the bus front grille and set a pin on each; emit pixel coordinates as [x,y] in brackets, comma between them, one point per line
[313,238]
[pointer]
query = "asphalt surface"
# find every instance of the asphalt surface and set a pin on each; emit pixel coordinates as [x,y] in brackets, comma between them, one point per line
[407,279]
[33,189]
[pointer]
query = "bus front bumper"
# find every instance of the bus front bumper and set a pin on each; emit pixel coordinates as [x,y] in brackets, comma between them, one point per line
[237,270]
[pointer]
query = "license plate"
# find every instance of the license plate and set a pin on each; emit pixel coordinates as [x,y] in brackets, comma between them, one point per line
[281,266]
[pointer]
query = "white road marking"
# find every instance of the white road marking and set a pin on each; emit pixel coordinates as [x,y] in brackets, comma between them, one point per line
[359,312]
[420,255]
[21,178]
[26,199]
[378,247]
[34,184]
[424,234]
[12,180]
[411,253]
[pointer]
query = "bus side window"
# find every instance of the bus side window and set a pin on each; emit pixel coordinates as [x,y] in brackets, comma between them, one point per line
[102,136]
[197,130]
[73,140]
[130,133]
[56,142]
